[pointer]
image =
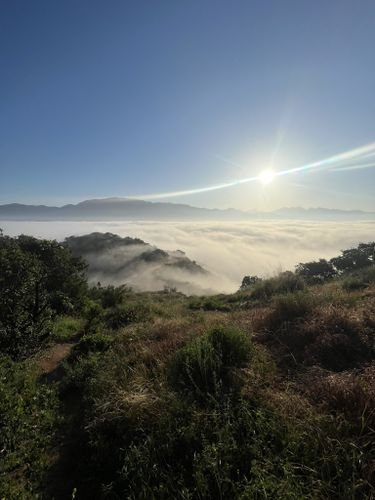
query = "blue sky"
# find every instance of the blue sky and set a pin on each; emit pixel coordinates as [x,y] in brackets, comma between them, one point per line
[124,98]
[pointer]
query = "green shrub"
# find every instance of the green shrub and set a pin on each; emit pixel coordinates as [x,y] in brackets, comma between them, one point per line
[286,282]
[291,306]
[66,328]
[215,303]
[368,274]
[205,366]
[81,372]
[360,279]
[93,342]
[316,272]
[28,416]
[352,284]
[122,316]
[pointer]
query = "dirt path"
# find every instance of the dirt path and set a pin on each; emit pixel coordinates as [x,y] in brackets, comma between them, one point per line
[50,360]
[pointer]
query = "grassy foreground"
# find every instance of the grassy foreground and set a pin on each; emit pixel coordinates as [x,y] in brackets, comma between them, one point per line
[164,396]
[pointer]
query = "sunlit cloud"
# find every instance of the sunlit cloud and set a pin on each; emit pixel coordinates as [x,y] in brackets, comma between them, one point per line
[228,250]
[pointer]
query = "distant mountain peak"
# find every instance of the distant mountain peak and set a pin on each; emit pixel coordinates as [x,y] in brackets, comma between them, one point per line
[117,208]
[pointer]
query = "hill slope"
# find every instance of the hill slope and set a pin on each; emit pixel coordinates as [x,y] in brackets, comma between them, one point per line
[113,260]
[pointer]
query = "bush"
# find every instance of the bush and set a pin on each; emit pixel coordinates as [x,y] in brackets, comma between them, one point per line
[215,303]
[316,272]
[329,338]
[349,395]
[66,328]
[38,279]
[109,296]
[248,281]
[28,415]
[122,316]
[205,367]
[80,374]
[93,342]
[291,306]
[355,258]
[352,284]
[360,279]
[286,282]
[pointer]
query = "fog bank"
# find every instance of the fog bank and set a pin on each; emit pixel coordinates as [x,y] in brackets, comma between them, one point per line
[228,250]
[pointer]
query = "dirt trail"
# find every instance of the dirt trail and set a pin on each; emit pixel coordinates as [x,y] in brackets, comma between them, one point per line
[50,360]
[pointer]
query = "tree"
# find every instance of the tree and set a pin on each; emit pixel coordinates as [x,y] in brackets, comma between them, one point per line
[355,258]
[249,281]
[316,271]
[38,278]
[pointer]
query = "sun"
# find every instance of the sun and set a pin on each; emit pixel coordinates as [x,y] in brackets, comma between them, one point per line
[266,176]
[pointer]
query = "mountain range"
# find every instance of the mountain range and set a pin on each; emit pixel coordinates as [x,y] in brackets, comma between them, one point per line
[132,209]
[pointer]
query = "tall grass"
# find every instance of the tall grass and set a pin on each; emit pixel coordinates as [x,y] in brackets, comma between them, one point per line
[205,366]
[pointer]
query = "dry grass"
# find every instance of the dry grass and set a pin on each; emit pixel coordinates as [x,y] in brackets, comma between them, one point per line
[351,394]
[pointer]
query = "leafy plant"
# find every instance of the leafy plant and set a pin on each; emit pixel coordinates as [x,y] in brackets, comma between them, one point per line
[204,366]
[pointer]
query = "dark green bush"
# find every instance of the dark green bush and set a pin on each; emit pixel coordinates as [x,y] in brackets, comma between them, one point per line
[290,306]
[316,272]
[80,372]
[352,284]
[38,279]
[93,342]
[359,279]
[205,366]
[125,315]
[286,282]
[355,258]
[28,416]
[215,303]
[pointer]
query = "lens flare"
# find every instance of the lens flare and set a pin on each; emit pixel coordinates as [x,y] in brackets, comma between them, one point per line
[266,177]
[336,162]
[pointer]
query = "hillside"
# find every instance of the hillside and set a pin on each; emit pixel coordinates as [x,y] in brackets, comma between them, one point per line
[113,260]
[110,393]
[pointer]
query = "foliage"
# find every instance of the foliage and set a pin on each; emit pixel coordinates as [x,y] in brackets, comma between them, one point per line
[28,416]
[249,281]
[214,303]
[266,393]
[205,366]
[109,296]
[316,271]
[286,282]
[290,306]
[38,278]
[328,337]
[355,258]
[359,279]
[66,328]
[93,342]
[125,315]
[63,274]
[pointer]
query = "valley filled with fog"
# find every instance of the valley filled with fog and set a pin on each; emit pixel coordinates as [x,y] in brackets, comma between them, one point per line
[227,250]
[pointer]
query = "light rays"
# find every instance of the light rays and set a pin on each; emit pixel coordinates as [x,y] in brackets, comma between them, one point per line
[339,162]
[360,166]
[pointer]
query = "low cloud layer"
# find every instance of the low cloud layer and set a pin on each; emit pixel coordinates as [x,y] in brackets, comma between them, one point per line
[228,250]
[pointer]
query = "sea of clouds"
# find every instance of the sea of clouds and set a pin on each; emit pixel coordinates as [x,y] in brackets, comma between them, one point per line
[228,250]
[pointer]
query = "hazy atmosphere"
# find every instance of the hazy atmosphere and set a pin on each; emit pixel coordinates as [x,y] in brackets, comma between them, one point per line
[142,99]
[187,250]
[229,250]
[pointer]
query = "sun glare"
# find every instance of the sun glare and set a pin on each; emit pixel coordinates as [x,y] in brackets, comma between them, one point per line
[266,176]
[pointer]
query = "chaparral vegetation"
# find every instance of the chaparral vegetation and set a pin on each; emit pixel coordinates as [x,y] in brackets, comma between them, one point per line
[105,392]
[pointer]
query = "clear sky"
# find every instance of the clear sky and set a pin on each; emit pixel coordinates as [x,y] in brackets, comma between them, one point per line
[117,98]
